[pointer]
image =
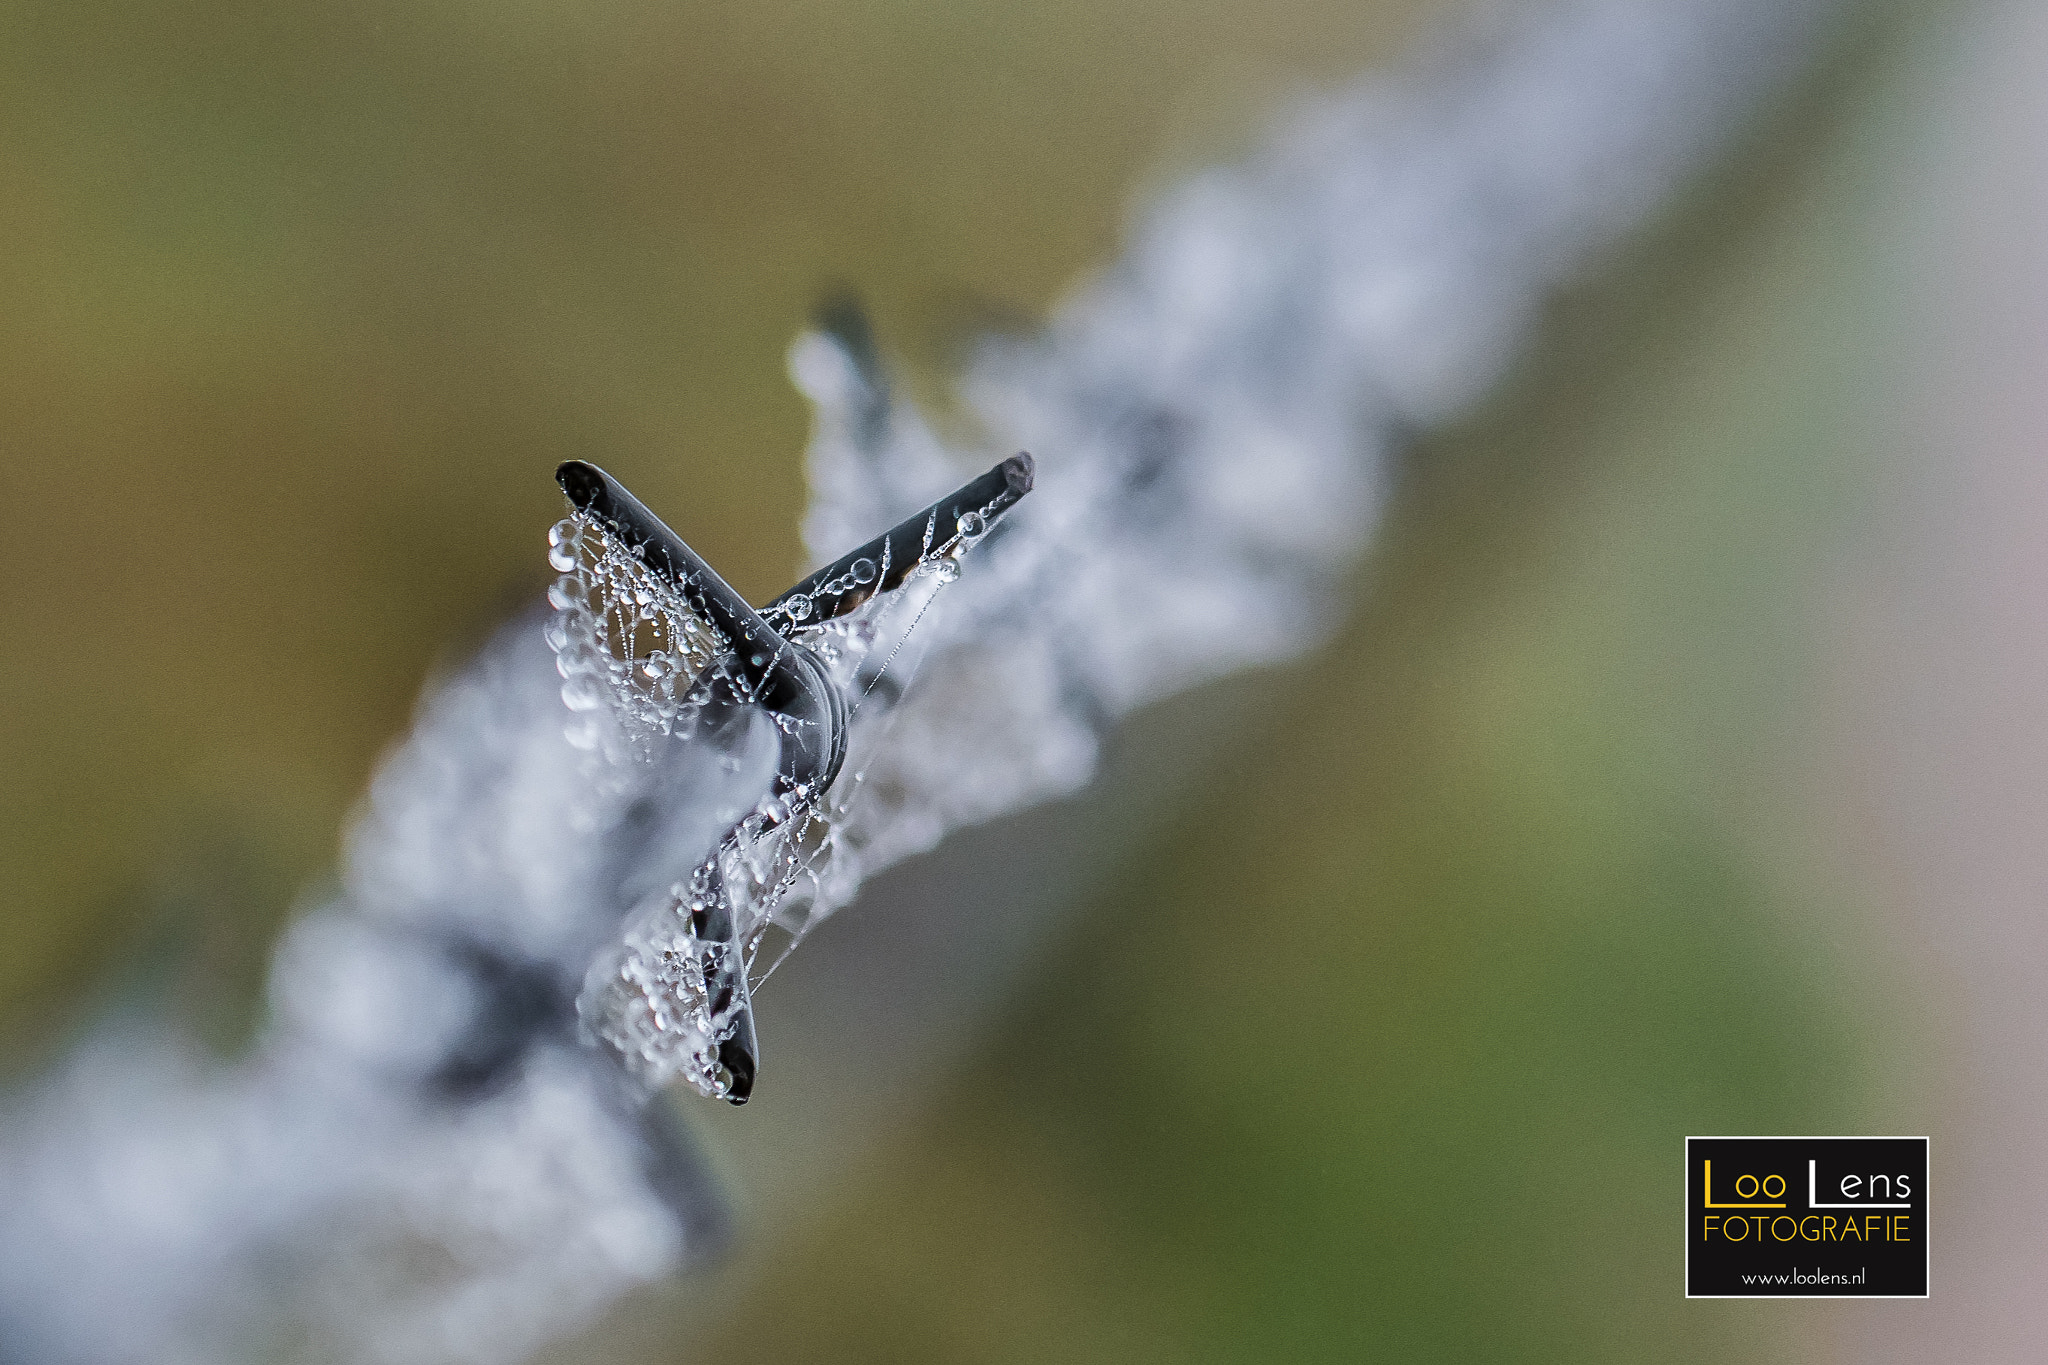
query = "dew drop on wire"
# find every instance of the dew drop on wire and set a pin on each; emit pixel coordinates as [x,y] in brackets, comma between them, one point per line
[582,692]
[567,592]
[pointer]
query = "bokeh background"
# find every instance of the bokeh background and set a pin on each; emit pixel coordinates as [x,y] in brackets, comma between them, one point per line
[1677,770]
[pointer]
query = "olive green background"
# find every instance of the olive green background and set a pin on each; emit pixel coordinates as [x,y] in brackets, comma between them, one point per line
[1384,1047]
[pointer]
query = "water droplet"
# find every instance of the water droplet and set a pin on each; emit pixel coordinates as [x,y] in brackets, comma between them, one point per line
[584,732]
[567,593]
[946,569]
[582,692]
[562,557]
[565,532]
[576,655]
[797,608]
[972,524]
[863,570]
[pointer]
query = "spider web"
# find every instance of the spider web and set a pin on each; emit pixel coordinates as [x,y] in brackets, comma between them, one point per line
[644,675]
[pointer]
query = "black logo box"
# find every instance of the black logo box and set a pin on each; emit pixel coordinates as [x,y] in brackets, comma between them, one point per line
[1738,1246]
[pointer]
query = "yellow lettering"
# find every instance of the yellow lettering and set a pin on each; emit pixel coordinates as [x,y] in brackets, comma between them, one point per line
[1707,1190]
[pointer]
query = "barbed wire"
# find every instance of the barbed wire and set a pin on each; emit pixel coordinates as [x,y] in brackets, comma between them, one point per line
[423,1159]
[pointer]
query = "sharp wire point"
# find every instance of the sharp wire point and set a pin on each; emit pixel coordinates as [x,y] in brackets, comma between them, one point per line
[677,998]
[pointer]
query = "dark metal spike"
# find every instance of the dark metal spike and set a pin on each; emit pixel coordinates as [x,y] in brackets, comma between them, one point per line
[780,674]
[900,548]
[598,494]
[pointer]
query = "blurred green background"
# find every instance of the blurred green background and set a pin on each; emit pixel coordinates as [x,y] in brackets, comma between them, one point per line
[304,302]
[1384,1048]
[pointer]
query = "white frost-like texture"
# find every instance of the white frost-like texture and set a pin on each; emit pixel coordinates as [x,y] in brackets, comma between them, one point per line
[423,1160]
[1210,415]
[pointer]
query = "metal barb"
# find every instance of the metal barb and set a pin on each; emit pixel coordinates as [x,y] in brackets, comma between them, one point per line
[777,671]
[844,584]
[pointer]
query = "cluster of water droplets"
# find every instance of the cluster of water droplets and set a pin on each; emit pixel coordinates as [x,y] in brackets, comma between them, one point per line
[628,647]
[655,1000]
[640,669]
